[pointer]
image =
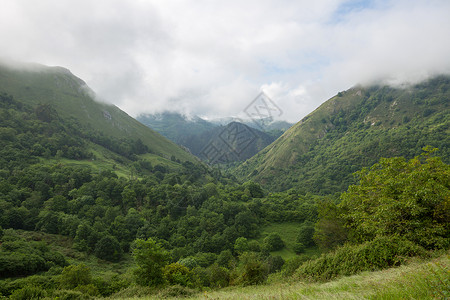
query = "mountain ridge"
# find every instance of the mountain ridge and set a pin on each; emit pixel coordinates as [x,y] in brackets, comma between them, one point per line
[73,99]
[353,130]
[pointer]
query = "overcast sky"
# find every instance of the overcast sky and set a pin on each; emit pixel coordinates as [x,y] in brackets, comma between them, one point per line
[212,58]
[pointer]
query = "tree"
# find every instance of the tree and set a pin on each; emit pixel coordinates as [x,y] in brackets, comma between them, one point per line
[241,245]
[108,248]
[73,276]
[305,234]
[273,242]
[399,197]
[151,258]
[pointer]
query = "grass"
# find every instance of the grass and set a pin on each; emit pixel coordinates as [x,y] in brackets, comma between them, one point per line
[417,280]
[288,232]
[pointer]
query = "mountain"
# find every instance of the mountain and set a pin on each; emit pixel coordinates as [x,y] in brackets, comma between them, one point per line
[230,143]
[72,99]
[196,134]
[353,130]
[176,127]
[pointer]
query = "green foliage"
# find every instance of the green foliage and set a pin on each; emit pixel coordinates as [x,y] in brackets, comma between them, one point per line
[74,276]
[108,248]
[151,258]
[400,197]
[299,248]
[273,242]
[329,231]
[291,265]
[19,257]
[320,153]
[252,269]
[177,274]
[305,234]
[241,245]
[28,292]
[382,252]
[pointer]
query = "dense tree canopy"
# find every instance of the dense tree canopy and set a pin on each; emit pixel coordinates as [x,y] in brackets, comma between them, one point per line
[400,197]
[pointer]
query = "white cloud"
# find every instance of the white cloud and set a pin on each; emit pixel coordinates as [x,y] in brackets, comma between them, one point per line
[213,57]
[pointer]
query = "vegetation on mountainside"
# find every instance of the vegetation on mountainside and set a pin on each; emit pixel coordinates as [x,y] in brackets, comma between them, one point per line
[215,144]
[351,131]
[173,228]
[72,99]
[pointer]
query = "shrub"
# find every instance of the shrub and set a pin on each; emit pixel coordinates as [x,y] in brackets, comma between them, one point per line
[291,265]
[28,292]
[305,234]
[251,270]
[73,276]
[299,248]
[177,274]
[273,242]
[176,291]
[108,248]
[382,252]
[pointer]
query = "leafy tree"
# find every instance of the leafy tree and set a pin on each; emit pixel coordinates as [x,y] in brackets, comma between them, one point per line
[151,258]
[329,231]
[73,276]
[273,242]
[177,273]
[305,234]
[108,248]
[241,245]
[404,198]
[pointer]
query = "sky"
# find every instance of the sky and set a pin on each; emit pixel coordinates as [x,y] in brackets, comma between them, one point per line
[212,58]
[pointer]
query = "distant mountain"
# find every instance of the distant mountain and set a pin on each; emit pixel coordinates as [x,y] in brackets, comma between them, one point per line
[196,134]
[353,130]
[230,143]
[176,127]
[56,88]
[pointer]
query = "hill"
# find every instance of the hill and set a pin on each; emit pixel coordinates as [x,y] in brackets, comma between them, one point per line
[233,142]
[72,99]
[353,130]
[176,127]
[199,136]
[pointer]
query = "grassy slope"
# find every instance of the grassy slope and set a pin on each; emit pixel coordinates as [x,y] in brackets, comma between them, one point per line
[71,98]
[417,280]
[316,142]
[288,232]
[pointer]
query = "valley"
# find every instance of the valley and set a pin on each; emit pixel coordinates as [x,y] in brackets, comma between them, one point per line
[351,201]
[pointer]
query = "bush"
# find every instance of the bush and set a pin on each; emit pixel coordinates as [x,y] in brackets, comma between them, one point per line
[251,270]
[218,277]
[177,274]
[70,295]
[108,248]
[28,292]
[291,265]
[299,248]
[176,291]
[273,242]
[382,252]
[73,276]
[305,234]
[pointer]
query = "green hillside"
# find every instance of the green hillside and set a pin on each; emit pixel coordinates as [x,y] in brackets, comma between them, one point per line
[72,99]
[353,130]
[232,141]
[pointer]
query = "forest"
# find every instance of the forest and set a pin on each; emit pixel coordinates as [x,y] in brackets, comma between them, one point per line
[75,232]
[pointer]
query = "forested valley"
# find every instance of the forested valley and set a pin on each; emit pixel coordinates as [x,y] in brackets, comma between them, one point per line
[73,229]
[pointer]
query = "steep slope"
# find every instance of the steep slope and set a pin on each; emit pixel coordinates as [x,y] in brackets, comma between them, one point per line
[197,134]
[230,143]
[72,99]
[353,130]
[176,127]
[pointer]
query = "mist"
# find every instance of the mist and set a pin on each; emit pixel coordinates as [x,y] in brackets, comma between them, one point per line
[213,58]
